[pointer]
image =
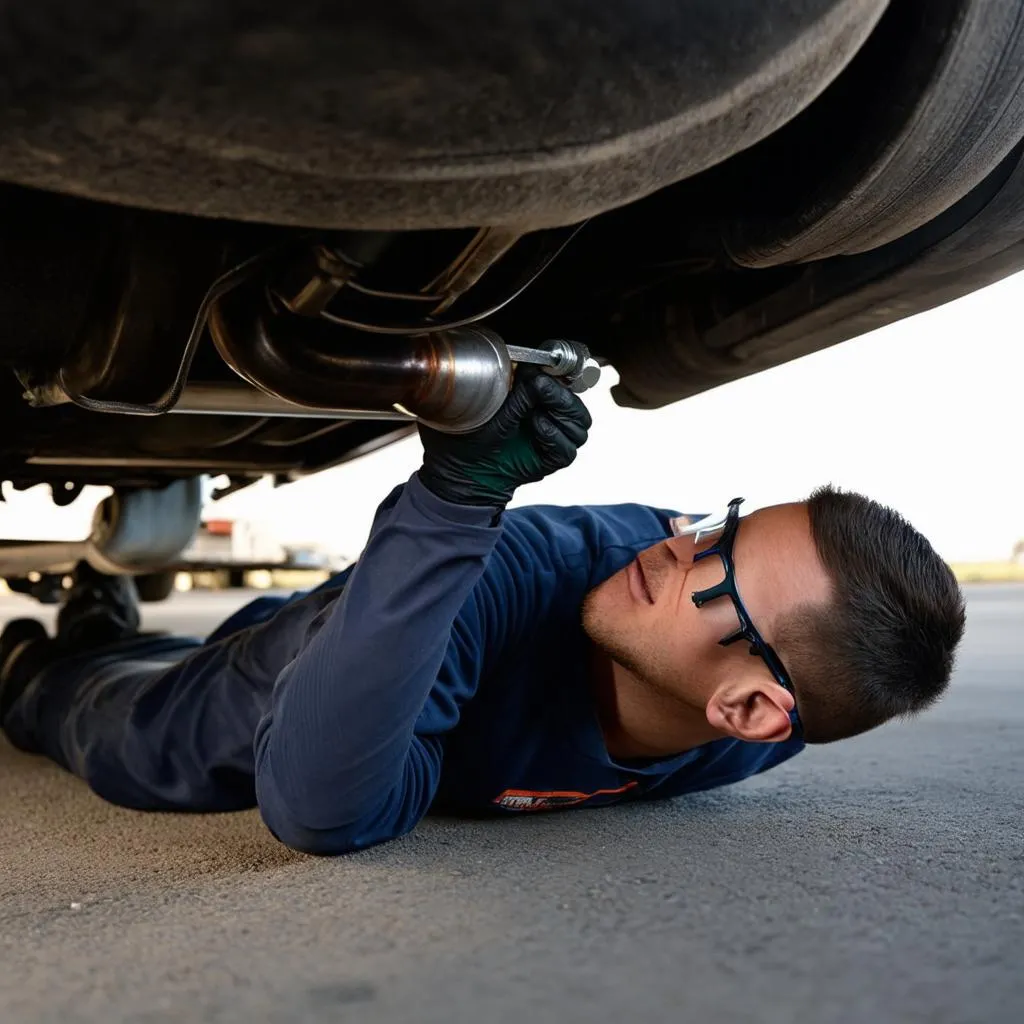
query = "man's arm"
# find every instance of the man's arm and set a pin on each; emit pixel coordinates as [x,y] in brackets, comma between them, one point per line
[338,766]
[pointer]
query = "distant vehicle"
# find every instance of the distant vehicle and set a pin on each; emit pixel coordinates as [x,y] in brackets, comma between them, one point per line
[231,548]
[239,546]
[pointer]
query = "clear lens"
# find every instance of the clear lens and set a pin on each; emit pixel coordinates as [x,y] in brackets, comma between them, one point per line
[701,527]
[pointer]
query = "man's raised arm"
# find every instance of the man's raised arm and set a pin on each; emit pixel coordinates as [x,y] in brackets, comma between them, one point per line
[338,765]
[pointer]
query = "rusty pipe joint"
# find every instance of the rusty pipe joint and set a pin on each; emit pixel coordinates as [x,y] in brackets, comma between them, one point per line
[473,380]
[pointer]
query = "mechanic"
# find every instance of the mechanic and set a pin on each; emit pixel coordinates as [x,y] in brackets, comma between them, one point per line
[476,659]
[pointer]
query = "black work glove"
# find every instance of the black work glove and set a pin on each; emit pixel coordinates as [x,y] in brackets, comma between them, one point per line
[536,432]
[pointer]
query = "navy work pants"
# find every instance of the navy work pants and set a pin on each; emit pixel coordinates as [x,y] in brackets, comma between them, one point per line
[167,723]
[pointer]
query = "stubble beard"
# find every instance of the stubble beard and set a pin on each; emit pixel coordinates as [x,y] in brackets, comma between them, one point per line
[598,625]
[667,693]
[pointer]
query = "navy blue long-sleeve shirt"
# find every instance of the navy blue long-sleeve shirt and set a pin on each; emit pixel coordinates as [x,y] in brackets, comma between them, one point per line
[452,671]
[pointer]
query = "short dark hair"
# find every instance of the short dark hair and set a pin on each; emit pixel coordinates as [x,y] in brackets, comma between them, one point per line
[884,645]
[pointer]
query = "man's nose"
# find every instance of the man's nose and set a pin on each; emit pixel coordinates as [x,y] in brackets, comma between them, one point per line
[682,549]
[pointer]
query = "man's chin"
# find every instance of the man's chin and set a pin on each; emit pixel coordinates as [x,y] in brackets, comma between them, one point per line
[595,614]
[599,623]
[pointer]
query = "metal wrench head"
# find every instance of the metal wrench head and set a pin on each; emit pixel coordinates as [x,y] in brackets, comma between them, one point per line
[570,361]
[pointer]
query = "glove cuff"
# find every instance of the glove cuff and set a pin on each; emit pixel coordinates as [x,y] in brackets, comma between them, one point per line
[461,491]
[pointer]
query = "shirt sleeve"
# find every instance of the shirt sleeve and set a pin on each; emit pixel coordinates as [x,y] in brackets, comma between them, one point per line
[338,764]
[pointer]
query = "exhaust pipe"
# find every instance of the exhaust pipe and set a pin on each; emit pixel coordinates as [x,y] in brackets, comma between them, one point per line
[239,398]
[453,381]
[296,366]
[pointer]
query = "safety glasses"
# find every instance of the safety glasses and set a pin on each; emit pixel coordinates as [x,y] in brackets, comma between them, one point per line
[722,549]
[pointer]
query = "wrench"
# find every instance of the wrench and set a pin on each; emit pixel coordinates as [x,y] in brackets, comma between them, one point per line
[561,358]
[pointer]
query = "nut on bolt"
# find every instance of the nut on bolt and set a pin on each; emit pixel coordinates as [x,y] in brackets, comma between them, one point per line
[586,376]
[573,362]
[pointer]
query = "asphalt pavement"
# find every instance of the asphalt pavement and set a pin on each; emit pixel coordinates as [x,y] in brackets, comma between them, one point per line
[878,880]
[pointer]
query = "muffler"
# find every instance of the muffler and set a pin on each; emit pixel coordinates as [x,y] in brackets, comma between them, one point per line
[133,531]
[453,380]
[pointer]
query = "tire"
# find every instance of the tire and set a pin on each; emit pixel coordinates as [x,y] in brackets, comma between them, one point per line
[156,586]
[927,109]
[455,113]
[18,632]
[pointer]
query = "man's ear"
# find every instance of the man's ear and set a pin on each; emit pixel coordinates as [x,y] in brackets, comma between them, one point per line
[751,709]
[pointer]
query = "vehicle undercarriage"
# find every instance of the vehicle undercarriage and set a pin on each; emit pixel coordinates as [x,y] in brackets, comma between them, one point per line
[241,241]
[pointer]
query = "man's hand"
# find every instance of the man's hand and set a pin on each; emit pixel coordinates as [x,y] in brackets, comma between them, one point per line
[535,433]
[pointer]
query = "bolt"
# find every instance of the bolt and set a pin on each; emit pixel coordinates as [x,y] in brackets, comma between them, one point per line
[586,377]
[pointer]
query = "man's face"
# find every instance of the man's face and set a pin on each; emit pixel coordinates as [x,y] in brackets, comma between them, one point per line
[643,617]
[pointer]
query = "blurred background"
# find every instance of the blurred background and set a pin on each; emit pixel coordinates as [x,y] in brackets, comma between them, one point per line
[924,415]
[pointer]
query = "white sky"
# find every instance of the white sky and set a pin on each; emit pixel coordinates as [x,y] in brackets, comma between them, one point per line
[923,415]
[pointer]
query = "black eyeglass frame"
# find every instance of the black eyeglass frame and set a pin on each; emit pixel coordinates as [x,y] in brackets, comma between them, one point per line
[759,647]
